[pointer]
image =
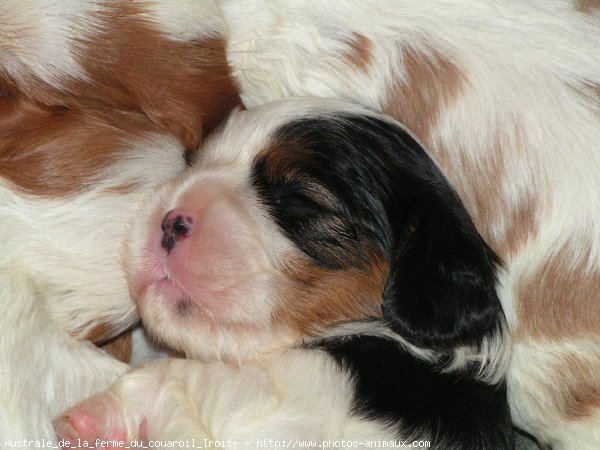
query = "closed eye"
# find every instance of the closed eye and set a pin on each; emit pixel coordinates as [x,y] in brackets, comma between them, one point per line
[293,200]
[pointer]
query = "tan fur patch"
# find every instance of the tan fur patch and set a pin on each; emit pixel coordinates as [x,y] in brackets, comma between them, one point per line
[313,298]
[100,334]
[576,391]
[122,189]
[56,151]
[587,6]
[594,89]
[57,143]
[360,54]
[560,299]
[120,347]
[184,87]
[521,225]
[505,225]
[589,92]
[432,81]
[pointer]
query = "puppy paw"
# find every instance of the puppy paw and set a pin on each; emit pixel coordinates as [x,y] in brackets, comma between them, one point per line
[95,423]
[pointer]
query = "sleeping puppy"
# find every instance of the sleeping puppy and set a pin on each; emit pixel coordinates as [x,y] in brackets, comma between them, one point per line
[331,283]
[505,94]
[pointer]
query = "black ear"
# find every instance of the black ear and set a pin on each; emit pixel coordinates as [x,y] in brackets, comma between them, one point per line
[441,288]
[441,291]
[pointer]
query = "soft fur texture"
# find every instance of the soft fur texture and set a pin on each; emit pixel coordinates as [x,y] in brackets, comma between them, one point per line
[505,96]
[98,103]
[311,237]
[503,93]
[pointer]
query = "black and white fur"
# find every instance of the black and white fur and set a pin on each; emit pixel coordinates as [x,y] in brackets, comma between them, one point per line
[340,210]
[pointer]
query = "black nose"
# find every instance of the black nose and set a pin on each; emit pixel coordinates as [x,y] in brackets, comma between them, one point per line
[176,225]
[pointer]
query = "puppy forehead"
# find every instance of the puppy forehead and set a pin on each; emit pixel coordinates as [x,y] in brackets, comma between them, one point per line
[249,134]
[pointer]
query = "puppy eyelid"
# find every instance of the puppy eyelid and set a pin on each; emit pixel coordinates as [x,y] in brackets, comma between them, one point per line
[315,193]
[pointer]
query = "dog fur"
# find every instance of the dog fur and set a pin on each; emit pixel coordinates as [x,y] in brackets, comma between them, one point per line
[311,237]
[98,105]
[505,96]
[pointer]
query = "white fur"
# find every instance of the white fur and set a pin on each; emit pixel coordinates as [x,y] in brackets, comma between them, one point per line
[186,19]
[249,403]
[39,38]
[538,49]
[61,276]
[254,382]
[225,166]
[40,365]
[527,64]
[46,40]
[61,271]
[532,380]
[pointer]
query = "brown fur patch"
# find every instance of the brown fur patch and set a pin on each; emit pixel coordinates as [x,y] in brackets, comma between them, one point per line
[432,81]
[7,90]
[122,189]
[560,299]
[360,53]
[101,333]
[120,347]
[589,92]
[587,6]
[184,87]
[577,388]
[56,151]
[313,298]
[594,90]
[521,225]
[504,224]
[281,156]
[281,159]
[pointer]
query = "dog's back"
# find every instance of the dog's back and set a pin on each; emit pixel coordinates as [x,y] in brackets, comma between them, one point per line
[99,101]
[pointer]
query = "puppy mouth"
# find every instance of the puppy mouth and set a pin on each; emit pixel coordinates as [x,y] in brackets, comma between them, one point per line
[159,279]
[169,287]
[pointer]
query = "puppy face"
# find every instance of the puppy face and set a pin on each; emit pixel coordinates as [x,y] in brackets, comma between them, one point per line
[300,216]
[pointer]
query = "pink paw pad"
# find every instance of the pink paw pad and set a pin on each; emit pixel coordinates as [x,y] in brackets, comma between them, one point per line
[77,427]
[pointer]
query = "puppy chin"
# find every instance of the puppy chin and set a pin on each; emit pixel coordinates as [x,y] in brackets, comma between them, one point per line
[187,328]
